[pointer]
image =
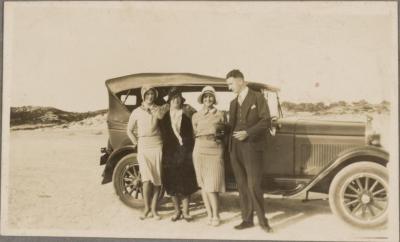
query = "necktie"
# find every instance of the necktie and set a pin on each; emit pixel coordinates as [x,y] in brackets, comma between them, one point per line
[240,99]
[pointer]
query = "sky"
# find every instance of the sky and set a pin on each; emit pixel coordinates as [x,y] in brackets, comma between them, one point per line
[60,53]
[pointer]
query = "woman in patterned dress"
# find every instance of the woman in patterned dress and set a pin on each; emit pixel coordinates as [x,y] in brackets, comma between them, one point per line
[208,125]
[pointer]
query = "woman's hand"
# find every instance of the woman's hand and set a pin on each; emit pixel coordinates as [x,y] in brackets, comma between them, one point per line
[220,130]
[240,135]
[160,111]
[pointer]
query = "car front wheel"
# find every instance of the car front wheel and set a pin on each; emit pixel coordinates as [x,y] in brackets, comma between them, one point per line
[359,194]
[128,183]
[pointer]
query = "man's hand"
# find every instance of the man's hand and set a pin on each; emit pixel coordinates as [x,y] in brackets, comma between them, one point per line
[134,144]
[240,135]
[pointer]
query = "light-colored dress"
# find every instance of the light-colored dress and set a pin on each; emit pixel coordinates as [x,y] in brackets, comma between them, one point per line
[144,131]
[208,153]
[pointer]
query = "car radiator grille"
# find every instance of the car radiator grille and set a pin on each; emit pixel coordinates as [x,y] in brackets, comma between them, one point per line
[314,157]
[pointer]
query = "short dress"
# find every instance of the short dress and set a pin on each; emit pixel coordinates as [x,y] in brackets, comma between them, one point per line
[208,154]
[144,125]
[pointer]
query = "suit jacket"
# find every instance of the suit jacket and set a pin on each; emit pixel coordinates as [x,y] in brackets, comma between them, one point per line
[257,117]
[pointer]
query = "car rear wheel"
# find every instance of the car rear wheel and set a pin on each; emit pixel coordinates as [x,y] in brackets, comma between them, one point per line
[359,194]
[128,183]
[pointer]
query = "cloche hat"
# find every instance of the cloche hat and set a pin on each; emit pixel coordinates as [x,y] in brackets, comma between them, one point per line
[175,92]
[209,90]
[147,88]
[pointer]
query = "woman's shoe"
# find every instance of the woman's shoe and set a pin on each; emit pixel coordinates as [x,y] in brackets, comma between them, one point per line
[176,216]
[187,217]
[156,216]
[209,220]
[145,215]
[215,222]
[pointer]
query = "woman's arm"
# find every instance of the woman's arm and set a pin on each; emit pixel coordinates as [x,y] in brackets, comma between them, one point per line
[224,118]
[194,124]
[221,126]
[160,111]
[188,110]
[131,130]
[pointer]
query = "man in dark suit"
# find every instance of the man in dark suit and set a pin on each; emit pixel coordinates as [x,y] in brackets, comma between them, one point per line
[249,119]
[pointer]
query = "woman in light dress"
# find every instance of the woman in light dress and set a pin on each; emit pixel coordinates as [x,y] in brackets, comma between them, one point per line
[143,130]
[208,124]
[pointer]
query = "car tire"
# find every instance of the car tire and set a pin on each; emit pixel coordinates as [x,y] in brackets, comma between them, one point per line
[128,184]
[359,195]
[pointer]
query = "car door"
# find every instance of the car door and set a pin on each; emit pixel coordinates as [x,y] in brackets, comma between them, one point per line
[279,150]
[279,147]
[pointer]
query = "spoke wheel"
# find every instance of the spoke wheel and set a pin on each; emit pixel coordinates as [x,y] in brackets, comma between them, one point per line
[359,194]
[128,183]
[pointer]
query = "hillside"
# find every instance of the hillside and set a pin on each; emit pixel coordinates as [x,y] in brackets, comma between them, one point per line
[337,108]
[32,117]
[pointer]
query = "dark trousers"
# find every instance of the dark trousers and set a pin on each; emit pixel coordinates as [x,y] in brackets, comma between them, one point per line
[247,168]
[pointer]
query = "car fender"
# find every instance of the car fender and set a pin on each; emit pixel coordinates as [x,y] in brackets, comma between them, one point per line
[376,154]
[113,159]
[321,182]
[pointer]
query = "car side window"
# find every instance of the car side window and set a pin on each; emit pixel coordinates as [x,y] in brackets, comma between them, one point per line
[130,98]
[272,101]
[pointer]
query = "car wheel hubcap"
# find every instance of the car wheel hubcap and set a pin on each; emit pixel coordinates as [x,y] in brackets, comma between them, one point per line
[365,197]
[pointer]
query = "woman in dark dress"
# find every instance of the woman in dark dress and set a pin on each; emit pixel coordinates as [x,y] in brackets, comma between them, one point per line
[178,175]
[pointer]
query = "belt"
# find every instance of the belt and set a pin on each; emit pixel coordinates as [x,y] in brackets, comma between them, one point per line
[206,137]
[149,136]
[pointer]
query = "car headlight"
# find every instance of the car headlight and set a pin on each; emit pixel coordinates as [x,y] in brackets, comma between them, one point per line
[372,138]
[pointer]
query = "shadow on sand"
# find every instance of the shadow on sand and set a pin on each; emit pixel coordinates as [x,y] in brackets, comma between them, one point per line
[280,212]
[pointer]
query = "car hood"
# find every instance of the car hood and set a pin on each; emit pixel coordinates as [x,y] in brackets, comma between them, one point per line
[330,127]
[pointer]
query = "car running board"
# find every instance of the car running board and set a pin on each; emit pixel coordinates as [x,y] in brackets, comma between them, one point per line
[278,193]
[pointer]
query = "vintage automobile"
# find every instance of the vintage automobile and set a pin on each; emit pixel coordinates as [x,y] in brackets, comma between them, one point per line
[340,158]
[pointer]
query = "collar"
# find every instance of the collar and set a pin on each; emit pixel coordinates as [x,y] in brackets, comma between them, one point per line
[243,93]
[205,111]
[147,108]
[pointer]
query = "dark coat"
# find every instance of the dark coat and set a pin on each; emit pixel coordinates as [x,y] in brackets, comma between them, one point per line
[257,119]
[178,172]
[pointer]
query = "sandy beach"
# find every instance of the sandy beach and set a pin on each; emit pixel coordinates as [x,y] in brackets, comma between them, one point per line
[54,189]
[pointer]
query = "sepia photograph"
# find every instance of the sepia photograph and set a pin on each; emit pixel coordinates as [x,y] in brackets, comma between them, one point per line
[223,120]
